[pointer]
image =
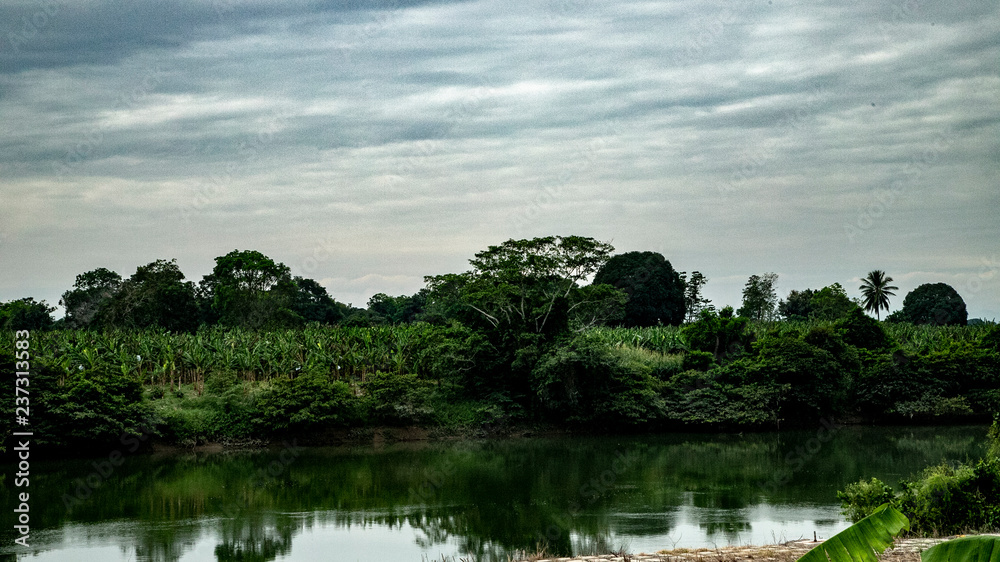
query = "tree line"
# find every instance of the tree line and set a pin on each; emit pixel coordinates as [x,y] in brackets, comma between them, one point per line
[536,285]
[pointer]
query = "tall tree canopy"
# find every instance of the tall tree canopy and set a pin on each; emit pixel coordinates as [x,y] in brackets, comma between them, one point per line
[156,295]
[247,288]
[759,297]
[26,314]
[876,290]
[655,291]
[694,302]
[933,303]
[829,303]
[524,285]
[91,293]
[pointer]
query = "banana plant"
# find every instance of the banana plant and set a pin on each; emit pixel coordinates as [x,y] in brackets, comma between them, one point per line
[966,549]
[864,541]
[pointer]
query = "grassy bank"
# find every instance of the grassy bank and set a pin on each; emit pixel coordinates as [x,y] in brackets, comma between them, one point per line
[230,384]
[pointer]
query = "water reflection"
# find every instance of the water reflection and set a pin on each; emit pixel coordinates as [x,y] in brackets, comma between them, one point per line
[479,499]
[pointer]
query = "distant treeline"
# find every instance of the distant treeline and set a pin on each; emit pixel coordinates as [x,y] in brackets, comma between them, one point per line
[517,340]
[533,285]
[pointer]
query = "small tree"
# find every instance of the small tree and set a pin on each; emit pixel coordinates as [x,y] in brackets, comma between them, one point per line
[694,303]
[759,297]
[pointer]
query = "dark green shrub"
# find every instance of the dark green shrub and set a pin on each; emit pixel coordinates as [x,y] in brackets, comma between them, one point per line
[698,360]
[87,408]
[948,500]
[863,331]
[308,401]
[583,381]
[859,500]
[720,334]
[392,398]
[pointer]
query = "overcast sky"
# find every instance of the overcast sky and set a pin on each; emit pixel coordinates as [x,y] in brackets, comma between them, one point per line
[368,144]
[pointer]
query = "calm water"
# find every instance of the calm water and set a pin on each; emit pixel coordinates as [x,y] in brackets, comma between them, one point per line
[482,499]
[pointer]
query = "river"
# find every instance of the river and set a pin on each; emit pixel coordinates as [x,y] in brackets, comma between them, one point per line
[483,500]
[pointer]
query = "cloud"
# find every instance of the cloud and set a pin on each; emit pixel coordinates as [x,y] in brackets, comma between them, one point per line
[820,140]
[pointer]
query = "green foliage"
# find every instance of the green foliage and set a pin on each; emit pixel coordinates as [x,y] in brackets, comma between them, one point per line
[862,331]
[964,549]
[156,296]
[862,498]
[941,500]
[863,541]
[720,334]
[698,360]
[759,297]
[947,500]
[248,289]
[655,291]
[832,303]
[25,314]
[394,399]
[694,302]
[312,303]
[938,304]
[90,295]
[876,290]
[797,305]
[584,382]
[308,401]
[520,285]
[816,379]
[87,407]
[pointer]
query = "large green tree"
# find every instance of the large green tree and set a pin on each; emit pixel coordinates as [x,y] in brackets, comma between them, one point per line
[155,296]
[90,294]
[26,314]
[933,303]
[759,297]
[312,303]
[655,291]
[876,290]
[523,285]
[247,288]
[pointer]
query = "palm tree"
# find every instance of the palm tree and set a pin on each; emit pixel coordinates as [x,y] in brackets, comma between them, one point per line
[876,291]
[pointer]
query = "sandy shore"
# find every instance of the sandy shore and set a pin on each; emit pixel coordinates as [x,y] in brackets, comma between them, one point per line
[905,550]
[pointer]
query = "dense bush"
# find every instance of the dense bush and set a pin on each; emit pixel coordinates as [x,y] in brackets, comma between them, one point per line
[583,381]
[398,399]
[308,401]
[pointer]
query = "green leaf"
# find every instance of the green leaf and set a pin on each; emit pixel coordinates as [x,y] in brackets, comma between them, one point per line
[862,542]
[967,549]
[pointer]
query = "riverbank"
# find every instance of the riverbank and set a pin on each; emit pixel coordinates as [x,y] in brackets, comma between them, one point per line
[904,550]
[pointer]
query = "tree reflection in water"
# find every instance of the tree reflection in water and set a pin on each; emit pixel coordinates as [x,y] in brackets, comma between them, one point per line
[485,498]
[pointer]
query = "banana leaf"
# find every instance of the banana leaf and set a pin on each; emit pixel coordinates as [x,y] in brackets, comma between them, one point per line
[863,541]
[967,549]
